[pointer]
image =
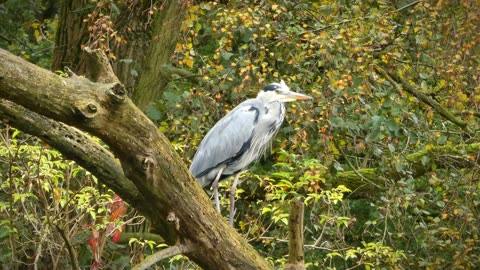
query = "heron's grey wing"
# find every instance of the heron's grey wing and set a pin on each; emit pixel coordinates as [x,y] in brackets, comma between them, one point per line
[226,141]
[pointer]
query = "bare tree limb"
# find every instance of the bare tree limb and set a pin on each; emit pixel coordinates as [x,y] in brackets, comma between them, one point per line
[162,254]
[98,68]
[295,235]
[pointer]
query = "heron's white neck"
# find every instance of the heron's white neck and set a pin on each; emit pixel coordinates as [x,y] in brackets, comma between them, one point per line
[268,97]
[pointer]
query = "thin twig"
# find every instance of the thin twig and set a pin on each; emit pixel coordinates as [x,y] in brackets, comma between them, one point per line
[162,254]
[361,18]
[356,171]
[70,249]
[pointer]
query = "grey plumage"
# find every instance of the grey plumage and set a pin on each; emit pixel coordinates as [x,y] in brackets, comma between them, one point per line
[238,139]
[241,137]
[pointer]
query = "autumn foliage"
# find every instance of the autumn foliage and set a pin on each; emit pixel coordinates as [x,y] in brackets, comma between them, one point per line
[385,157]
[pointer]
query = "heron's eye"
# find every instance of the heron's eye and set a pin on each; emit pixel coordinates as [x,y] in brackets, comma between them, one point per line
[271,87]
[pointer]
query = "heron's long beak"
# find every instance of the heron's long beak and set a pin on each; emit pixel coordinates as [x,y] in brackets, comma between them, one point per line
[292,96]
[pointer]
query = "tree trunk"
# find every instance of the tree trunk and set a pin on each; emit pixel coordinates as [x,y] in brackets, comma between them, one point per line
[146,47]
[174,201]
[166,27]
[71,34]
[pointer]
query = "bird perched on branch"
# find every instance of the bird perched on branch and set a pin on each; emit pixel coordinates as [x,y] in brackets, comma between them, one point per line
[240,138]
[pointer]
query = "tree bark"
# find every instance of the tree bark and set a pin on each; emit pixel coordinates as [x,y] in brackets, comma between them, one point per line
[175,202]
[71,34]
[295,237]
[75,145]
[134,56]
[145,47]
[165,31]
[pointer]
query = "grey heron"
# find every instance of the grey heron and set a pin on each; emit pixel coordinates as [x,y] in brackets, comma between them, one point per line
[240,138]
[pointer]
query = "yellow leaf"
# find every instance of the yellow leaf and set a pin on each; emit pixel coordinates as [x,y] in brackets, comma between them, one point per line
[57,192]
[188,62]
[37,35]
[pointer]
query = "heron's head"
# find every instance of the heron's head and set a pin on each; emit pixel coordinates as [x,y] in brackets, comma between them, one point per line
[280,92]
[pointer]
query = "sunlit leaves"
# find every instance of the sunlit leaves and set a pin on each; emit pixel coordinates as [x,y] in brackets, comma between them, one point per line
[43,193]
[357,120]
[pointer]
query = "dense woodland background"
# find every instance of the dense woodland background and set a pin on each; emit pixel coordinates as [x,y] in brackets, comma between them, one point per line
[386,157]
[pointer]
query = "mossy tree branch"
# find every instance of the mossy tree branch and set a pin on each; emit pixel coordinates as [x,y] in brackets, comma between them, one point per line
[74,145]
[398,82]
[418,164]
[176,204]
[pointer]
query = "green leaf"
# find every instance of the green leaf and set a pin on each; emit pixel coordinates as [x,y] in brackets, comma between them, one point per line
[333,254]
[266,210]
[226,55]
[391,148]
[442,139]
[4,231]
[132,240]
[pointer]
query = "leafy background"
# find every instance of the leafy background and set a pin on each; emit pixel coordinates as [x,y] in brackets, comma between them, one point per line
[389,180]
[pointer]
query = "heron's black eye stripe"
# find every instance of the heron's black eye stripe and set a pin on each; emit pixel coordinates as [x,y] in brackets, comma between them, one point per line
[271,87]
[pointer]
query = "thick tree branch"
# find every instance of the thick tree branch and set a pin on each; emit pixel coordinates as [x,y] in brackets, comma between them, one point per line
[443,157]
[75,145]
[98,66]
[176,204]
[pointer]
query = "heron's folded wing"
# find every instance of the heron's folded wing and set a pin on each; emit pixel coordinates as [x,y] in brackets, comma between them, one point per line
[228,139]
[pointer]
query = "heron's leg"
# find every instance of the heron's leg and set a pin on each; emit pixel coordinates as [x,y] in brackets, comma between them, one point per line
[215,189]
[233,190]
